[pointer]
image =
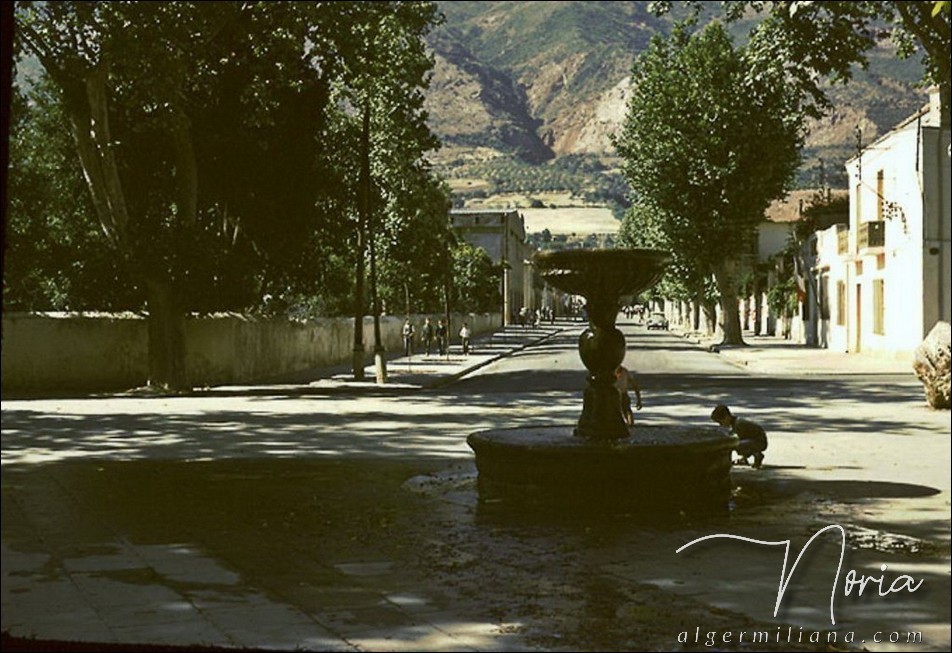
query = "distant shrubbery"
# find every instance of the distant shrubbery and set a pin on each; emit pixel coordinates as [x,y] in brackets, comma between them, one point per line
[584,176]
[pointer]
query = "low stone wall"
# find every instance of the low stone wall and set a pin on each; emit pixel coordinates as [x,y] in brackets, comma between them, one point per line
[89,353]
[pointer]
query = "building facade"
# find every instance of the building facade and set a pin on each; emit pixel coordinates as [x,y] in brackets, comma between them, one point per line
[885,281]
[502,233]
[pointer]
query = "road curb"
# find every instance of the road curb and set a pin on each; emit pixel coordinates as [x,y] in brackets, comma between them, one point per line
[456,376]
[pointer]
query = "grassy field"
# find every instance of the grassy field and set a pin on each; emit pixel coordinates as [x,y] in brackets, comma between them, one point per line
[575,220]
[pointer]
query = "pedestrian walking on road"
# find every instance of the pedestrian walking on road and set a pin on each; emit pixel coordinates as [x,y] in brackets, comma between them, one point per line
[753,438]
[407,338]
[464,335]
[427,334]
[441,334]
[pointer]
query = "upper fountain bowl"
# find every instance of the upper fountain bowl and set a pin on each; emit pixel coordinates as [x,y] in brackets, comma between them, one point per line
[602,272]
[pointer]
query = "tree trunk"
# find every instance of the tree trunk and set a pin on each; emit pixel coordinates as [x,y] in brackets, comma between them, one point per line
[710,315]
[88,115]
[446,305]
[698,303]
[166,327]
[380,362]
[730,312]
[363,210]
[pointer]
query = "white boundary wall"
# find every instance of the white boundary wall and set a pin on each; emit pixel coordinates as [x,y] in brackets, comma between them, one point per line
[45,352]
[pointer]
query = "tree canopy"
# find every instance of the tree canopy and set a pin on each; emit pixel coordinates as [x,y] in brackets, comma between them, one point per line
[711,137]
[215,142]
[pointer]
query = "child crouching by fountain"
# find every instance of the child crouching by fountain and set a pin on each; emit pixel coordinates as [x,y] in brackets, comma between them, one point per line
[753,438]
[625,380]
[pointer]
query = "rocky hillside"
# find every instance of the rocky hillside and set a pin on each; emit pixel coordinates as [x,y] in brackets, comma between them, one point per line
[525,84]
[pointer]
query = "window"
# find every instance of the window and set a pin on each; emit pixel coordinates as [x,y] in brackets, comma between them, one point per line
[878,308]
[841,303]
[825,298]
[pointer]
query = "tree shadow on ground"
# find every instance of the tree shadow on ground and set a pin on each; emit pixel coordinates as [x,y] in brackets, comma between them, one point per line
[350,542]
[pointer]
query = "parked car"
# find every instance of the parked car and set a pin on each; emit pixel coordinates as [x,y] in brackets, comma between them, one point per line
[657,321]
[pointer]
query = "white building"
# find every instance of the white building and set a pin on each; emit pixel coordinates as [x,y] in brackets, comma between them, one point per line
[887,279]
[502,234]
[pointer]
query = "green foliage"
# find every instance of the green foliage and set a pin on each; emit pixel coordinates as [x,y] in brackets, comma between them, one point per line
[708,154]
[782,296]
[197,126]
[53,259]
[642,227]
[415,250]
[712,135]
[476,280]
[825,40]
[229,164]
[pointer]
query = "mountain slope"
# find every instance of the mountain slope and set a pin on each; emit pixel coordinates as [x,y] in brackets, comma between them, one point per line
[536,80]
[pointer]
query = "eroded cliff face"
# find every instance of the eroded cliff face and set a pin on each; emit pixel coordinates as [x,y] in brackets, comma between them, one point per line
[542,81]
[473,105]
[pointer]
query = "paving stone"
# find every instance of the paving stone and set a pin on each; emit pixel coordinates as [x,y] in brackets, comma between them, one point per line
[181,633]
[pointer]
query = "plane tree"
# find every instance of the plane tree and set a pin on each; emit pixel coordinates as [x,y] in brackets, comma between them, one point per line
[710,138]
[227,147]
[197,129]
[377,111]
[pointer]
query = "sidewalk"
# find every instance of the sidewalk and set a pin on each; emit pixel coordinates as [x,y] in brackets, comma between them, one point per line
[776,356]
[418,371]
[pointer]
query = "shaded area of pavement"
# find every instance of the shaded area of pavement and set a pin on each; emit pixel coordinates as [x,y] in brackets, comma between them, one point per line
[323,554]
[10,643]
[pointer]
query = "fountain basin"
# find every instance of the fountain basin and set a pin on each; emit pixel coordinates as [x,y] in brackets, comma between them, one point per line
[659,468]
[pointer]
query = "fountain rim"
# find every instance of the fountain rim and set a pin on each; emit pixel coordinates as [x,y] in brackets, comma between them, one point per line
[559,439]
[570,259]
[583,271]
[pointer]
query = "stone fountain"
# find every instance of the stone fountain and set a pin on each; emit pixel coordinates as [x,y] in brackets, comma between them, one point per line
[600,462]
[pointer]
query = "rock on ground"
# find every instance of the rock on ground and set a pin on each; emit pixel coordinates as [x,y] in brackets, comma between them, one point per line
[932,359]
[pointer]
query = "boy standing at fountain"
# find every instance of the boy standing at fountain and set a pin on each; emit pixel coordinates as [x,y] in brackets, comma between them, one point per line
[753,438]
[625,380]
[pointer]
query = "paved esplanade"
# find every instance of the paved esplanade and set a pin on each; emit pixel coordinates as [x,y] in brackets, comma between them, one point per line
[335,516]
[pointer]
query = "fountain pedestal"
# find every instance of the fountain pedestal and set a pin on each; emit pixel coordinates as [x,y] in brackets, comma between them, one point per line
[601,461]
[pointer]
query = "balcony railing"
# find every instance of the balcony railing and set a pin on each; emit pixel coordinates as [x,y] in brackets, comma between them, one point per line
[871,235]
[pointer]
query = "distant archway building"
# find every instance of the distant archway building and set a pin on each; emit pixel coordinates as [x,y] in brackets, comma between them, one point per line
[502,233]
